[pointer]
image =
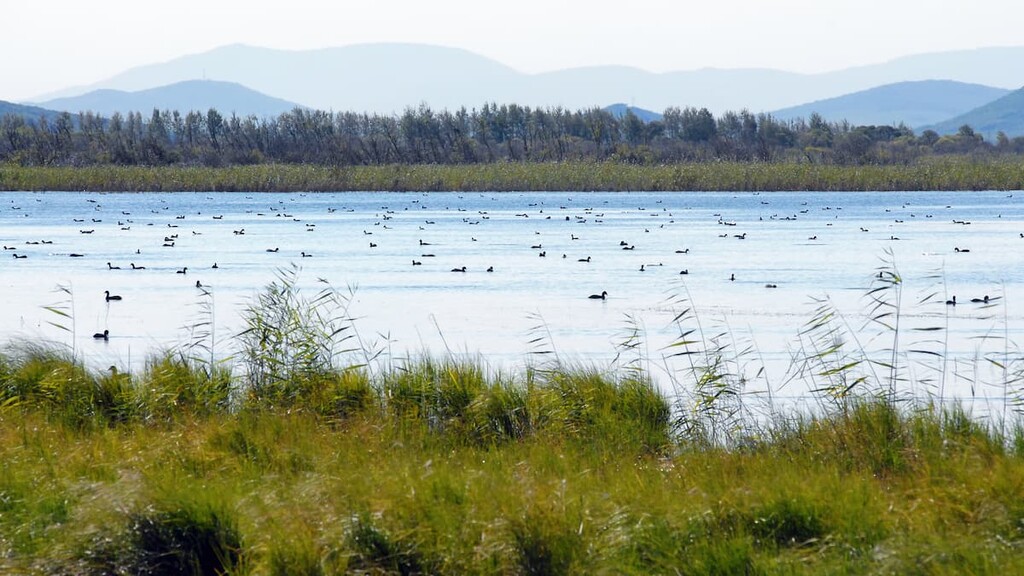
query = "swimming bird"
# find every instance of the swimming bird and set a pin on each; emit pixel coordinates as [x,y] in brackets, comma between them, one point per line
[463,269]
[602,296]
[771,285]
[272,249]
[587,259]
[214,266]
[641,267]
[199,284]
[491,269]
[415,263]
[111,267]
[105,335]
[951,302]
[980,300]
[182,271]
[108,297]
[961,250]
[732,277]
[19,257]
[304,255]
[134,267]
[684,271]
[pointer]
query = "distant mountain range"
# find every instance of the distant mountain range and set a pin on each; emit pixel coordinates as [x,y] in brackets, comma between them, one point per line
[1005,114]
[915,104]
[390,77]
[32,113]
[387,78]
[226,97]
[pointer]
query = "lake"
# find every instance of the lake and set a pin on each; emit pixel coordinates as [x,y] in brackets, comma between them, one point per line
[808,246]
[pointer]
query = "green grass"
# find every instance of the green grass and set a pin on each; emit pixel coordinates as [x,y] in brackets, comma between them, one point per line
[940,173]
[438,467]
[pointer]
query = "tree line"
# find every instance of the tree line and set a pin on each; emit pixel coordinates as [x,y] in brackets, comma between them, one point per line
[492,133]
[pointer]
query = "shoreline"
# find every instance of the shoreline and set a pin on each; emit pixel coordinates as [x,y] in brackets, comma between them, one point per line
[947,174]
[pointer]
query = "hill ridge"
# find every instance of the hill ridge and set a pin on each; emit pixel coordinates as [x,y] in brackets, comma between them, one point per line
[388,77]
[184,96]
[1005,114]
[914,103]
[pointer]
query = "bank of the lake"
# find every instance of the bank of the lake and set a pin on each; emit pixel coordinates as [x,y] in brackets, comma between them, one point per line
[435,468]
[945,173]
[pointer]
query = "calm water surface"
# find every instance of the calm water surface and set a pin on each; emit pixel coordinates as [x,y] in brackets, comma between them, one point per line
[810,245]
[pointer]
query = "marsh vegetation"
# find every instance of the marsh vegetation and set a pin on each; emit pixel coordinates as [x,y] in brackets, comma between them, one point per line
[948,173]
[493,148]
[313,453]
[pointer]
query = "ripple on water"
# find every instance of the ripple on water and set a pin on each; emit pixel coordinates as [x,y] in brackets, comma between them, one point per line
[711,236]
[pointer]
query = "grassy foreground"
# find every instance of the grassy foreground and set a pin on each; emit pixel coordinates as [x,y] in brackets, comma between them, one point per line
[946,173]
[434,467]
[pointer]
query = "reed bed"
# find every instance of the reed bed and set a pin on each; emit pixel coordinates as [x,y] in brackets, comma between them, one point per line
[575,473]
[312,453]
[945,173]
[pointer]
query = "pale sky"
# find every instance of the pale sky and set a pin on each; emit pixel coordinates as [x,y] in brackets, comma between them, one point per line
[48,45]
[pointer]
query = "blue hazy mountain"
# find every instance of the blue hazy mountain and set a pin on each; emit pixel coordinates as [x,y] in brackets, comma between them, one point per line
[913,103]
[1003,115]
[226,97]
[366,77]
[619,110]
[390,77]
[31,113]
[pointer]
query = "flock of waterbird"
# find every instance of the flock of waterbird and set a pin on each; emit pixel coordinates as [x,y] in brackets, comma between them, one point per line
[168,237]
